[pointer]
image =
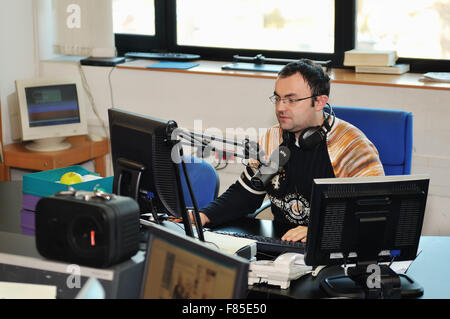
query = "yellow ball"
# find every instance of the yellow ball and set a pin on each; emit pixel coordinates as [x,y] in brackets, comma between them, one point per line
[70,178]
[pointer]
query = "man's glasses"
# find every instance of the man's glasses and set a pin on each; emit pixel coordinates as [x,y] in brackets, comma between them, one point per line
[275,99]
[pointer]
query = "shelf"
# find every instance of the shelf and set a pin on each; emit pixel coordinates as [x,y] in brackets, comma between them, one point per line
[82,150]
[343,76]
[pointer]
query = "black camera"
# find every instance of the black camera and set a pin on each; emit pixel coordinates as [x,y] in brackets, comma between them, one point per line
[88,228]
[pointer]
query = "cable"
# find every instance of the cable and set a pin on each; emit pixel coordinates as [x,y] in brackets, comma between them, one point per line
[91,99]
[110,87]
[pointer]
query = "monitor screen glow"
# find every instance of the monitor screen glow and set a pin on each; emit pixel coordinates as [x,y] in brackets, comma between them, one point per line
[179,267]
[49,111]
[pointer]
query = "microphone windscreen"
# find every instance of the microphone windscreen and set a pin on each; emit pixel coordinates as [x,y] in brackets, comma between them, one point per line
[278,159]
[280,156]
[285,153]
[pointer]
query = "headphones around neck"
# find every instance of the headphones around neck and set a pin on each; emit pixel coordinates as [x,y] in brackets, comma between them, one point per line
[313,136]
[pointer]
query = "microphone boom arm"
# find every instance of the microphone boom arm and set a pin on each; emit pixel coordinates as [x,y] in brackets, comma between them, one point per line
[250,148]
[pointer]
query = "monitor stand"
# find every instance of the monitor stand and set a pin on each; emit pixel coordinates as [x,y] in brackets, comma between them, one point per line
[360,284]
[50,144]
[369,279]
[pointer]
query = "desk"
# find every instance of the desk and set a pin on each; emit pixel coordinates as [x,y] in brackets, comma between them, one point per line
[82,150]
[119,281]
[430,269]
[10,206]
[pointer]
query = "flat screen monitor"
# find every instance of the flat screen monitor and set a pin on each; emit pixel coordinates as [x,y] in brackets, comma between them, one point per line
[179,267]
[146,163]
[365,221]
[49,111]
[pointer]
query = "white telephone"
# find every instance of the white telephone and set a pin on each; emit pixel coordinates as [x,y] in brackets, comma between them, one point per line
[278,272]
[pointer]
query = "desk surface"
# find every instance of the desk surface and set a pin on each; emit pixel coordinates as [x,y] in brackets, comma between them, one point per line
[430,269]
[10,206]
[82,150]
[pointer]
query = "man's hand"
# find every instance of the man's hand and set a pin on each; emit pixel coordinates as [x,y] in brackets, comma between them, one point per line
[203,218]
[296,234]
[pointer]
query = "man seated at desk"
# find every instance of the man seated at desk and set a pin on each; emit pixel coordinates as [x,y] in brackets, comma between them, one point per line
[301,93]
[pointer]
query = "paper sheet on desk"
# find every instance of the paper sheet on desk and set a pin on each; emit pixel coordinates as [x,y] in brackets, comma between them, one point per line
[15,290]
[225,243]
[400,267]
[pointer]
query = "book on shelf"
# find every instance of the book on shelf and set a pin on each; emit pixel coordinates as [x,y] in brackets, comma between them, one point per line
[395,69]
[358,57]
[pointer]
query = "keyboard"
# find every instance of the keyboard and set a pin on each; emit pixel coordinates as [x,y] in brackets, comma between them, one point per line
[163,56]
[269,245]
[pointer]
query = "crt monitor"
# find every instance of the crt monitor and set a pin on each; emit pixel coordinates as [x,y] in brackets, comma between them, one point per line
[145,161]
[179,267]
[49,111]
[366,221]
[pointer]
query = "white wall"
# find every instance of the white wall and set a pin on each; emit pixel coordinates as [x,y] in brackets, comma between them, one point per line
[17,56]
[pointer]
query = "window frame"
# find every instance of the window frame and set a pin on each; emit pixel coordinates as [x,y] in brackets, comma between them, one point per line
[165,40]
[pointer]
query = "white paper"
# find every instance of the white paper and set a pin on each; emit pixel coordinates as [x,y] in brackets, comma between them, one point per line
[226,243]
[14,290]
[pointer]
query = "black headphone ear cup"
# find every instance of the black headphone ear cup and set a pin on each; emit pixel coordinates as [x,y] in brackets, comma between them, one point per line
[311,137]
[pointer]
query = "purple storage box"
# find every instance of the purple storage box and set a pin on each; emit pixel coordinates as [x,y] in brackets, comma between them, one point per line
[29,202]
[27,222]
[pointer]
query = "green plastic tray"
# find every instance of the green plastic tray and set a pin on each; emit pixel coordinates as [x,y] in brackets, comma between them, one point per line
[46,183]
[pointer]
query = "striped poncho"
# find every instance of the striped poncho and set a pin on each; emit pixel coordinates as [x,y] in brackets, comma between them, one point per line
[346,152]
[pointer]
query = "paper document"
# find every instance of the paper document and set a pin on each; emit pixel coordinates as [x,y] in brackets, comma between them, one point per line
[436,77]
[400,267]
[14,290]
[225,243]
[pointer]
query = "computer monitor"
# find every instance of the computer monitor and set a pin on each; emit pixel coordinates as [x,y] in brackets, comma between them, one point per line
[146,163]
[49,111]
[179,267]
[366,221]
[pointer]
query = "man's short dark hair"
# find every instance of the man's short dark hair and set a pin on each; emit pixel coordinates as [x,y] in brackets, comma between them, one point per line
[317,79]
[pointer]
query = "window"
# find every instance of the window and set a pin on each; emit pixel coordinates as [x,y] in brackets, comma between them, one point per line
[319,30]
[282,25]
[420,29]
[134,16]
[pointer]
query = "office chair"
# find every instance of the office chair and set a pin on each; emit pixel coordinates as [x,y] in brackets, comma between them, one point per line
[389,130]
[204,180]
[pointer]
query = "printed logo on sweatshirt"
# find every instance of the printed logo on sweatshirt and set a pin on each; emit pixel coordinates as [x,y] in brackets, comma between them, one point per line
[295,207]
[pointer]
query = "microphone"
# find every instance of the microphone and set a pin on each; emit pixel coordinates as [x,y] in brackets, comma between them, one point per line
[252,150]
[264,175]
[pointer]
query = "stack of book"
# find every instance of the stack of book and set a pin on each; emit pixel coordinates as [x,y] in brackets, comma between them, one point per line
[374,61]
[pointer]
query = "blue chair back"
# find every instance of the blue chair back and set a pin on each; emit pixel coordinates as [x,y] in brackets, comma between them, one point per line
[389,130]
[204,180]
